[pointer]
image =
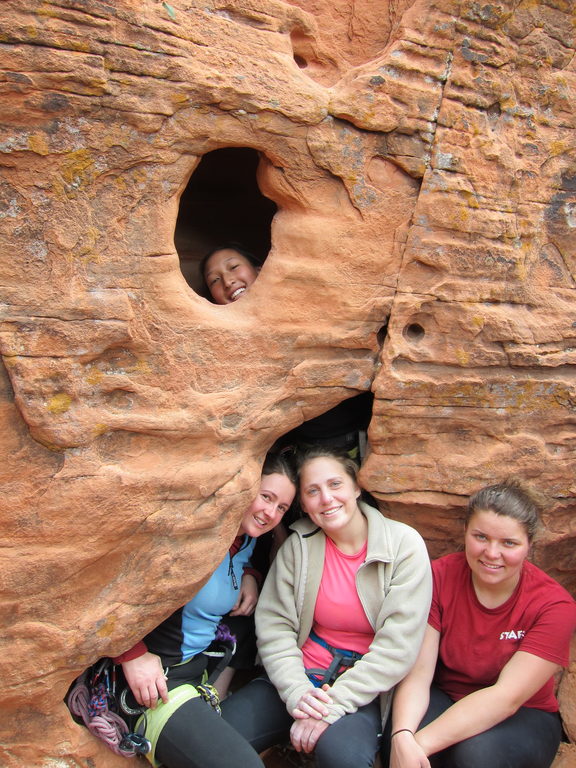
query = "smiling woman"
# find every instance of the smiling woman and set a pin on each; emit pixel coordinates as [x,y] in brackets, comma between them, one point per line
[498,631]
[228,272]
[496,547]
[272,502]
[339,622]
[329,496]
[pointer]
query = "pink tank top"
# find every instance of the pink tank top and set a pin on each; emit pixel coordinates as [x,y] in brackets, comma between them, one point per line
[339,617]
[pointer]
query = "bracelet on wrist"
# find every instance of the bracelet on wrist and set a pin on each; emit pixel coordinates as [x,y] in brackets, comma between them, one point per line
[401,730]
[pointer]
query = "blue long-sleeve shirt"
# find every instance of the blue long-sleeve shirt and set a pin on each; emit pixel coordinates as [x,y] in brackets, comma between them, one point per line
[191,629]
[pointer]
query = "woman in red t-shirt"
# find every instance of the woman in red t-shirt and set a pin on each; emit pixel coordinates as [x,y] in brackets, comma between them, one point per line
[482,690]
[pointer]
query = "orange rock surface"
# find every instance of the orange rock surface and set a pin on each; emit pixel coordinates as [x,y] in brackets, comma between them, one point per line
[421,157]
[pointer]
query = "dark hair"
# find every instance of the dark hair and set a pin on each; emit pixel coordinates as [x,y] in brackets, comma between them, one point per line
[325,452]
[279,464]
[508,499]
[231,246]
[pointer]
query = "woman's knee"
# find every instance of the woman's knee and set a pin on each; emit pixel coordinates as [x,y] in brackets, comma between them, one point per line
[528,739]
[195,736]
[352,754]
[258,713]
[351,742]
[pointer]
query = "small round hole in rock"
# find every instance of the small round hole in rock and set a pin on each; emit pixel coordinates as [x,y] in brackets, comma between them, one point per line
[414,332]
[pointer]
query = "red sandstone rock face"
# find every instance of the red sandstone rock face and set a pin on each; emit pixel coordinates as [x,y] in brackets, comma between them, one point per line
[421,155]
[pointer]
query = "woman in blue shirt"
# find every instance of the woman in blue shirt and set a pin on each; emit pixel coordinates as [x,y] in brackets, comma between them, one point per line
[164,668]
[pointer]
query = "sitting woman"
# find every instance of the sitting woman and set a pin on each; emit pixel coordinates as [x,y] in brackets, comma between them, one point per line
[339,621]
[499,629]
[185,731]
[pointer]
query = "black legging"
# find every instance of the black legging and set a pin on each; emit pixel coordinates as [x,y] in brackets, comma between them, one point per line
[260,715]
[528,739]
[195,736]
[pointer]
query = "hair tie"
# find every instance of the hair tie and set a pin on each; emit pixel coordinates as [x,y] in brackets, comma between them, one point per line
[401,730]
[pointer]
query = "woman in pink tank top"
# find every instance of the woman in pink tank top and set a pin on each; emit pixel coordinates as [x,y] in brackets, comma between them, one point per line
[339,622]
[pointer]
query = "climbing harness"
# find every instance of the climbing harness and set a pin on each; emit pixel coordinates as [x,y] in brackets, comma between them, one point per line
[101,699]
[340,658]
[222,648]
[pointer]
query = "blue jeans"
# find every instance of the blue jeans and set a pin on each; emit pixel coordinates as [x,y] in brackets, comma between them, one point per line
[528,739]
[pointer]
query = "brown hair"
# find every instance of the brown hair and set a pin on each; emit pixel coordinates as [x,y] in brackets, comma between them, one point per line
[324,452]
[279,464]
[508,499]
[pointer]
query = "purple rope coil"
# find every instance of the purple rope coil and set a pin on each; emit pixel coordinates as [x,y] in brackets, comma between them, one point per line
[104,724]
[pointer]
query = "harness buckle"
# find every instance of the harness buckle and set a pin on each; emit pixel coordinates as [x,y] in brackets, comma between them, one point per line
[134,742]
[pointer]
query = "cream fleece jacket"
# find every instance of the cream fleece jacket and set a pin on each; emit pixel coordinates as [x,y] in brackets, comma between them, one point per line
[395,587]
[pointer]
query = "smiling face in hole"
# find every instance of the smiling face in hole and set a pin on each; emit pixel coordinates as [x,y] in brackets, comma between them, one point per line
[228,275]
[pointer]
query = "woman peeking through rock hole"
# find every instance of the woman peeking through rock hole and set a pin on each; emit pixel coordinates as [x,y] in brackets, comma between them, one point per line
[228,272]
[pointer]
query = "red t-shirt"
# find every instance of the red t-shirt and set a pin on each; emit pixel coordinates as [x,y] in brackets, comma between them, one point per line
[477,642]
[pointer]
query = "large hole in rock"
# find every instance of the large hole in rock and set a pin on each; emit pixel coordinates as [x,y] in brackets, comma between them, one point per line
[342,428]
[222,203]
